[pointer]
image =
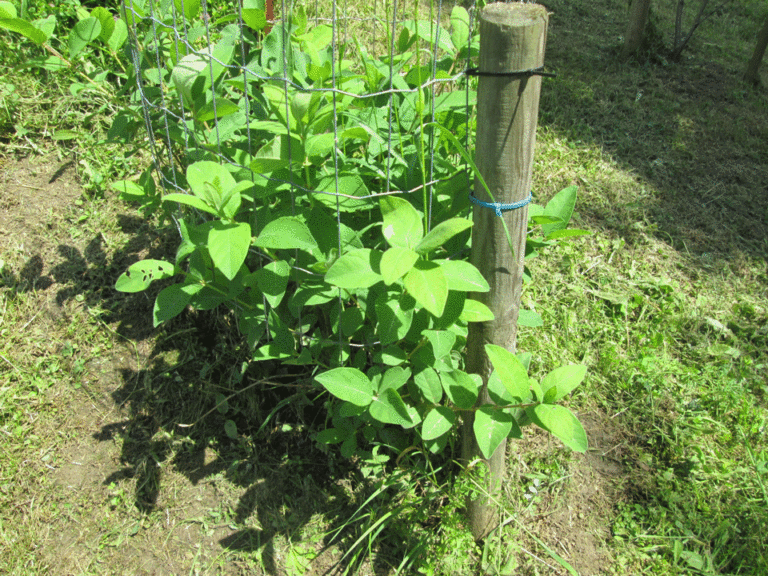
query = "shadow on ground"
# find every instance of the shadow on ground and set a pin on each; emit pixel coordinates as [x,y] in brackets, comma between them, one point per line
[692,134]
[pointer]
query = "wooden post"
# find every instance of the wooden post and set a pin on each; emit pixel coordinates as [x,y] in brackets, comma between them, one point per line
[633,37]
[512,38]
[752,73]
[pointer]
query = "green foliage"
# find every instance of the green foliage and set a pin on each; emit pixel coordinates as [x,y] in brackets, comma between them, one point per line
[294,237]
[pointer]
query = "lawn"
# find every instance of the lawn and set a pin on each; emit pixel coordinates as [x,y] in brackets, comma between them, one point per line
[115,452]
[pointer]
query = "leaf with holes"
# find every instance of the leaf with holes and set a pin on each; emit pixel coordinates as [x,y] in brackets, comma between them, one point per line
[140,275]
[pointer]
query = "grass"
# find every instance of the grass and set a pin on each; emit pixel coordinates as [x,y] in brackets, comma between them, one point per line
[665,303]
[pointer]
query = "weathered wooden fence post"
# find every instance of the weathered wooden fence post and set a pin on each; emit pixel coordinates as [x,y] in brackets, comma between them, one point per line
[512,38]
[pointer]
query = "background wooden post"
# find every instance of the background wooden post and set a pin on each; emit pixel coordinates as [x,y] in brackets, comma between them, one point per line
[512,38]
[752,73]
[633,37]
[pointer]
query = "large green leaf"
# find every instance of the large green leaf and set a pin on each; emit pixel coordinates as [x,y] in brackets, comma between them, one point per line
[254,15]
[459,27]
[348,384]
[475,311]
[441,233]
[497,391]
[461,388]
[492,426]
[129,191]
[463,276]
[351,187]
[394,318]
[206,63]
[427,32]
[171,301]
[279,153]
[24,28]
[140,275]
[563,380]
[442,342]
[272,280]
[7,10]
[402,225]
[46,25]
[562,423]
[511,371]
[429,383]
[351,321]
[190,200]
[394,378]
[218,109]
[561,206]
[396,262]
[320,146]
[82,34]
[118,36]
[388,407]
[426,282]
[210,181]
[529,318]
[438,421]
[228,246]
[106,20]
[357,269]
[287,232]
[189,8]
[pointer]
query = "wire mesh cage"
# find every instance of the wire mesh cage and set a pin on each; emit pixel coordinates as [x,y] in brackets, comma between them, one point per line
[332,102]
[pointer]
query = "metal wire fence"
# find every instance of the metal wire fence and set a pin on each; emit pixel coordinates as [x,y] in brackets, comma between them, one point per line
[317,114]
[201,77]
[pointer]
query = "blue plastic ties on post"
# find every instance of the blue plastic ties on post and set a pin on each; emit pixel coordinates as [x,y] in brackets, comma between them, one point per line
[498,207]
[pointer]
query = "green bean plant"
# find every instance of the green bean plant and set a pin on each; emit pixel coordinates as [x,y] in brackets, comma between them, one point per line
[320,196]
